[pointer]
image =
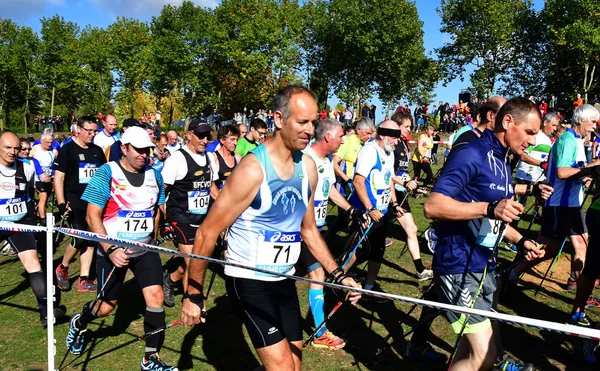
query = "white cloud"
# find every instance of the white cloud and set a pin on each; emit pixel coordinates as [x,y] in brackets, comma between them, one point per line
[143,8]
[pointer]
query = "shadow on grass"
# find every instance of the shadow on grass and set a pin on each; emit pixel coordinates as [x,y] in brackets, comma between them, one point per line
[221,335]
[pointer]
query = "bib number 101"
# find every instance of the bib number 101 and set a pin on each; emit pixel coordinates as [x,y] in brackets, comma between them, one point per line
[18,208]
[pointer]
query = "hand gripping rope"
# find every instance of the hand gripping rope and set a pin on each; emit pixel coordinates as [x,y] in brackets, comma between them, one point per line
[570,330]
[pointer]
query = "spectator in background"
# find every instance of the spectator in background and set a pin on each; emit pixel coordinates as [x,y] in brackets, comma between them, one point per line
[270,122]
[434,150]
[543,107]
[445,124]
[552,104]
[372,112]
[347,117]
[577,102]
[365,111]
[173,141]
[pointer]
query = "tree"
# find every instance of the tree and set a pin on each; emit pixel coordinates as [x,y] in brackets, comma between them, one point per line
[60,71]
[372,47]
[94,58]
[484,34]
[128,41]
[8,35]
[574,27]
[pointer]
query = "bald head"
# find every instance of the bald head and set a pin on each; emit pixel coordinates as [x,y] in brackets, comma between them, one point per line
[9,148]
[110,124]
[389,124]
[172,137]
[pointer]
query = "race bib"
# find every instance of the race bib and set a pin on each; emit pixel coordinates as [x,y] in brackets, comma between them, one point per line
[320,212]
[383,200]
[136,225]
[278,252]
[86,172]
[48,171]
[12,209]
[488,232]
[198,202]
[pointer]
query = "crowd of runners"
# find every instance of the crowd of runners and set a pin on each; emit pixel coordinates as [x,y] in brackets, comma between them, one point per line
[147,186]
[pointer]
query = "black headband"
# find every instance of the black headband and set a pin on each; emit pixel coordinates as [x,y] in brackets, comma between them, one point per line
[395,133]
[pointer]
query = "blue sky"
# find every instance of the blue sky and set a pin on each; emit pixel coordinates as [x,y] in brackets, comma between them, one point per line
[101,13]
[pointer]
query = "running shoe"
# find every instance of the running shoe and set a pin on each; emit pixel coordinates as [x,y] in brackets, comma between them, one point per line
[593,301]
[328,341]
[169,290]
[571,284]
[388,242]
[62,278]
[582,321]
[586,350]
[506,364]
[374,299]
[59,312]
[75,337]
[431,238]
[427,274]
[154,363]
[7,249]
[86,285]
[426,353]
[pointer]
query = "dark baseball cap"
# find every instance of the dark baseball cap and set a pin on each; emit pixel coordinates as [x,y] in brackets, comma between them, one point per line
[199,125]
[130,122]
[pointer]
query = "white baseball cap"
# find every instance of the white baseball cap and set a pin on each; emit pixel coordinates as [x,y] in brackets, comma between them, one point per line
[137,137]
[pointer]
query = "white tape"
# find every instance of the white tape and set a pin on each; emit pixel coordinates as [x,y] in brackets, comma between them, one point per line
[11,227]
[506,318]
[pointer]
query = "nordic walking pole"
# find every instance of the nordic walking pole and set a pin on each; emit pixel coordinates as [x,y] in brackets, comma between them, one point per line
[141,337]
[341,302]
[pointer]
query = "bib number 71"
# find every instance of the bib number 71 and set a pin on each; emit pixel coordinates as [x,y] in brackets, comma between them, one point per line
[286,252]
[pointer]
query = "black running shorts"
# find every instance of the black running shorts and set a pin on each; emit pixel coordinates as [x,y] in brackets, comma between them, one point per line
[269,309]
[146,268]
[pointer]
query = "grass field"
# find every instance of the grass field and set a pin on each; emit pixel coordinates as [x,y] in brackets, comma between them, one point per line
[222,343]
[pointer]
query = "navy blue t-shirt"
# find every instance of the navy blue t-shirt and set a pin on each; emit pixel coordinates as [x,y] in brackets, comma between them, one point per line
[477,172]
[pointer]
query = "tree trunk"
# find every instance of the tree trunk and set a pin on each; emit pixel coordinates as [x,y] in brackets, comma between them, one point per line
[26,115]
[587,83]
[52,104]
[356,104]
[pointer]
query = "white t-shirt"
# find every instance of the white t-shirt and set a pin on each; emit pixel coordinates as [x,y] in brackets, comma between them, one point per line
[104,140]
[326,179]
[173,148]
[175,167]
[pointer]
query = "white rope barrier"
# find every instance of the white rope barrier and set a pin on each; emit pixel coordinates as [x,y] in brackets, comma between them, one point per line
[562,328]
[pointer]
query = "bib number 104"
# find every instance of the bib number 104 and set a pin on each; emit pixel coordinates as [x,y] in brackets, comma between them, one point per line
[134,225]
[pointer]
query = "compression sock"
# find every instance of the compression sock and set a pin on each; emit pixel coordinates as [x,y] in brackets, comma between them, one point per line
[317,307]
[37,280]
[419,265]
[88,314]
[513,276]
[153,319]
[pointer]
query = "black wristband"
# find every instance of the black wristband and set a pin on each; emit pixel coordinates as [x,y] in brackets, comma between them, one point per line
[529,190]
[112,249]
[335,272]
[521,244]
[197,299]
[371,209]
[490,209]
[338,280]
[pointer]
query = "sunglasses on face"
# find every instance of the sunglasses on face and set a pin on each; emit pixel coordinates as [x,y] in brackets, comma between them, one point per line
[203,136]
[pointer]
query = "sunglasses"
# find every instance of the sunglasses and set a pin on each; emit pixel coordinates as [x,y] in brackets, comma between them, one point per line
[203,135]
[25,149]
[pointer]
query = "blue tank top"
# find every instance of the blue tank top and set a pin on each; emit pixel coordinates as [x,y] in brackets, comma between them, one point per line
[267,234]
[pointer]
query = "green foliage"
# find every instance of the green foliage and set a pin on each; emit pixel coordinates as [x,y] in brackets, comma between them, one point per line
[483,33]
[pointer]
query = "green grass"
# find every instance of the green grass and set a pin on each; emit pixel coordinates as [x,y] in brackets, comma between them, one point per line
[222,343]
